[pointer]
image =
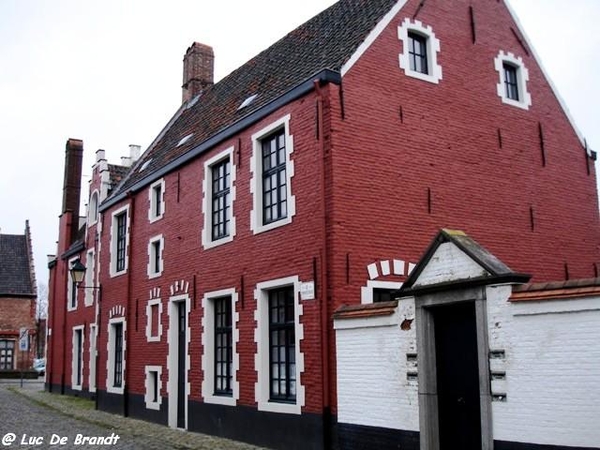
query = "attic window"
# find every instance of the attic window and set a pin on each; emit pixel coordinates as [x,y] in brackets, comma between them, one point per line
[247,101]
[145,165]
[185,139]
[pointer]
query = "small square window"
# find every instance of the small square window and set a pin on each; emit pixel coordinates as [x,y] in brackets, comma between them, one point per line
[512,82]
[153,320]
[153,397]
[420,48]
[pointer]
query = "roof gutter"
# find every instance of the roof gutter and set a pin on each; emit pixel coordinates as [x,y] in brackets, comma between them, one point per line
[323,77]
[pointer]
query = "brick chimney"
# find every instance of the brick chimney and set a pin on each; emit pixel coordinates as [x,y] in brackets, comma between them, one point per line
[198,70]
[72,180]
[72,183]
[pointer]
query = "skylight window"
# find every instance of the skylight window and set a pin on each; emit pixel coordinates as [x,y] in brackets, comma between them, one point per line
[247,101]
[185,139]
[145,165]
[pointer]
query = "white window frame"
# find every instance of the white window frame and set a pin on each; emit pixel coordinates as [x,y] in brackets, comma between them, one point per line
[72,291]
[90,264]
[256,184]
[150,269]
[113,241]
[110,363]
[152,216]
[261,338]
[149,320]
[207,241]
[433,48]
[208,356]
[150,403]
[93,213]
[502,58]
[74,385]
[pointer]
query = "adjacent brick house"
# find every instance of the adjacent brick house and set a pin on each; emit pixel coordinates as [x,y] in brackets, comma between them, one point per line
[18,296]
[313,176]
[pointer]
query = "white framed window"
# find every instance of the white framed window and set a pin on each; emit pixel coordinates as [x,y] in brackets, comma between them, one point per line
[218,189]
[93,350]
[72,288]
[155,256]
[119,241]
[153,320]
[420,51]
[379,291]
[271,182]
[512,82]
[77,357]
[93,208]
[156,198]
[153,397]
[278,334]
[115,366]
[89,278]
[220,335]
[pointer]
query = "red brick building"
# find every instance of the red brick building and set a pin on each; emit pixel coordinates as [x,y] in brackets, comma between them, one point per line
[313,176]
[18,296]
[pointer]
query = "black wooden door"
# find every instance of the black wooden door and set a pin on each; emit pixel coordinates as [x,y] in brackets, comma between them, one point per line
[181,307]
[457,377]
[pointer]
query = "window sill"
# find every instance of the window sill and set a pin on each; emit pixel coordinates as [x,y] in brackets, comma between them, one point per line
[220,400]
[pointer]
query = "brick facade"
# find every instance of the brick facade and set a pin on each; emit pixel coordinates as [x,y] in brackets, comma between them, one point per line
[381,161]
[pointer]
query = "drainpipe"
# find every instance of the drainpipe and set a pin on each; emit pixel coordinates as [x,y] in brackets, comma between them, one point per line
[129,306]
[324,275]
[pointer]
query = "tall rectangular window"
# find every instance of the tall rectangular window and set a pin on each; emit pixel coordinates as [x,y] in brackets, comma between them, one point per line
[417,52]
[157,197]
[282,345]
[78,357]
[223,346]
[221,199]
[72,288]
[118,355]
[274,179]
[121,240]
[511,82]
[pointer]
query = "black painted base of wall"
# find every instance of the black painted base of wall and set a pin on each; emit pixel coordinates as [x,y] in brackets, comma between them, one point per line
[503,445]
[138,410]
[360,437]
[272,430]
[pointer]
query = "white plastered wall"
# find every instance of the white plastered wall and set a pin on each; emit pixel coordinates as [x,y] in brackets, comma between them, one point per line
[372,370]
[552,366]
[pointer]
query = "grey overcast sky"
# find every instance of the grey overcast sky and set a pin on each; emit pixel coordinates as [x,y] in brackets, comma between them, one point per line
[109,72]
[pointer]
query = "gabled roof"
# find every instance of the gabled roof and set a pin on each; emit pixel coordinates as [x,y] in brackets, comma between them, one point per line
[15,266]
[327,41]
[472,265]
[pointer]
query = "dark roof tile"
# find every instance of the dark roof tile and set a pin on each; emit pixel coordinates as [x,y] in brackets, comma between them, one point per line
[326,41]
[15,273]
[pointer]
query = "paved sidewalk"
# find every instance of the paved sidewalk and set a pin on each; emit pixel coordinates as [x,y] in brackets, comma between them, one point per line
[64,415]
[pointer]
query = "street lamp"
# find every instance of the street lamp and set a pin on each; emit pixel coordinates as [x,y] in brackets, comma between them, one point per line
[77,271]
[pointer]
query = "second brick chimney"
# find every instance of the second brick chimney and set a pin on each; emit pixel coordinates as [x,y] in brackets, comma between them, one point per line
[198,70]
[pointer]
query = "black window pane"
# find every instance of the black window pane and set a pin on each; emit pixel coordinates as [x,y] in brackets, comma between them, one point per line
[223,346]
[221,199]
[417,53]
[121,222]
[274,177]
[510,82]
[383,295]
[118,355]
[282,345]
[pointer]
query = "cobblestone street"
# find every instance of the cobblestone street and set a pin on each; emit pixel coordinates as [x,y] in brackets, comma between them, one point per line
[37,419]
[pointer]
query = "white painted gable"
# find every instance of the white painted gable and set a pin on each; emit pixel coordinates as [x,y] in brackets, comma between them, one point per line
[449,263]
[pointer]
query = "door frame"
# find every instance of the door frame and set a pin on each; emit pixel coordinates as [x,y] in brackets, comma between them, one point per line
[426,359]
[173,355]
